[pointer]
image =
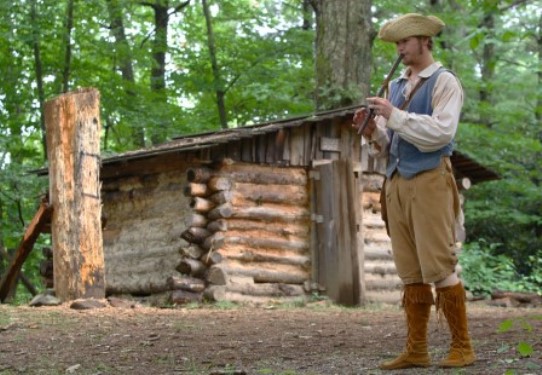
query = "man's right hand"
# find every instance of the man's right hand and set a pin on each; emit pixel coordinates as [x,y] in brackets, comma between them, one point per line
[359,118]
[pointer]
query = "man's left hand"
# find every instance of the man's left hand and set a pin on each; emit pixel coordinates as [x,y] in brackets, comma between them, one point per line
[381,106]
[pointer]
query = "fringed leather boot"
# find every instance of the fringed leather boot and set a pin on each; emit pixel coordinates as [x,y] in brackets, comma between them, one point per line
[417,302]
[451,301]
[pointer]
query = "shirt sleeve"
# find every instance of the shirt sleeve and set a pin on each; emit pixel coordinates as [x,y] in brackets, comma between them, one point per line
[380,138]
[430,133]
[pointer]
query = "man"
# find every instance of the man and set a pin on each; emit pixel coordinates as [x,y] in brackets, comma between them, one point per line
[421,195]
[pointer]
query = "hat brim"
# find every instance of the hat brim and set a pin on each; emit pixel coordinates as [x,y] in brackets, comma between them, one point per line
[411,24]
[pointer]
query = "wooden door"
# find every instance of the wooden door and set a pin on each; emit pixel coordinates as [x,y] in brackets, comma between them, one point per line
[336,225]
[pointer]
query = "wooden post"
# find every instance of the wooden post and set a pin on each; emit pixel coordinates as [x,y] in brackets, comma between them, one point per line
[73,148]
[31,234]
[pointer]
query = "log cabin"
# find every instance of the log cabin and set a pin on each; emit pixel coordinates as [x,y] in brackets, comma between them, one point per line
[282,210]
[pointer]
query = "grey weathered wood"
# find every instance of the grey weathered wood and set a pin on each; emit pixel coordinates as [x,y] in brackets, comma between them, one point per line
[338,258]
[187,283]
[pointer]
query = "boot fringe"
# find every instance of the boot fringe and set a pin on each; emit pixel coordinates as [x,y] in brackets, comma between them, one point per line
[449,298]
[417,294]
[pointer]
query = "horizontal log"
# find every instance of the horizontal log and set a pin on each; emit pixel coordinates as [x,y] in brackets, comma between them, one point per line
[223,211]
[373,221]
[221,293]
[196,189]
[212,258]
[200,174]
[264,213]
[259,275]
[392,296]
[219,183]
[371,182]
[376,282]
[191,251]
[191,267]
[217,276]
[196,220]
[201,205]
[371,201]
[187,283]
[220,225]
[521,297]
[266,289]
[289,194]
[281,229]
[221,197]
[252,256]
[195,235]
[380,268]
[214,241]
[183,297]
[298,246]
[377,252]
[252,173]
[376,236]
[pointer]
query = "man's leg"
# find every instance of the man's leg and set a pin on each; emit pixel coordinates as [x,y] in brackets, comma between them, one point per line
[452,301]
[417,302]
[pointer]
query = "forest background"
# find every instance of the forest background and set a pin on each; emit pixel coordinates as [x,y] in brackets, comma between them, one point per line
[165,68]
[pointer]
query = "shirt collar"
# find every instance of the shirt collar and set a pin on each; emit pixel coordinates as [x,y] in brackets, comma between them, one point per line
[427,72]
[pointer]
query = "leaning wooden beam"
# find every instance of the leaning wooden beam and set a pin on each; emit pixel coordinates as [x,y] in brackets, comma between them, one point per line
[24,279]
[31,234]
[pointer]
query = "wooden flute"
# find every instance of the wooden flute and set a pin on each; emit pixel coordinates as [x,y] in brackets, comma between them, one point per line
[380,92]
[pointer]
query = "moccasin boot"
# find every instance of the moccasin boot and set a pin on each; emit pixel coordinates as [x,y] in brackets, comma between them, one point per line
[417,302]
[452,302]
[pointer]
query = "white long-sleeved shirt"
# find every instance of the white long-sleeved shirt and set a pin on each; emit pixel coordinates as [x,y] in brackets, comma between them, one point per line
[426,132]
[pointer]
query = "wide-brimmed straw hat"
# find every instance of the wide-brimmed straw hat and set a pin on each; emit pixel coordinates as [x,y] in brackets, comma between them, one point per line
[410,24]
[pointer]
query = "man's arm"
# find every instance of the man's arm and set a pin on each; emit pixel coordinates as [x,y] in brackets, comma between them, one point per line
[430,133]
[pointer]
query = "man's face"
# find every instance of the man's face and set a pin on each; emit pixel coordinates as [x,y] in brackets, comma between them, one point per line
[412,48]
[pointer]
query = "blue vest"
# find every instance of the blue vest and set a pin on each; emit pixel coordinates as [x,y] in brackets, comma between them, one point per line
[404,156]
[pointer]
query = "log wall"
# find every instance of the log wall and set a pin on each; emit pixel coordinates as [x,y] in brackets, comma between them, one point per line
[249,232]
[145,217]
[381,281]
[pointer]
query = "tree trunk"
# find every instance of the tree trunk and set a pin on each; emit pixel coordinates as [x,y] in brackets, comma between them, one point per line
[67,47]
[158,69]
[344,36]
[38,69]
[219,85]
[73,142]
[488,69]
[125,61]
[538,108]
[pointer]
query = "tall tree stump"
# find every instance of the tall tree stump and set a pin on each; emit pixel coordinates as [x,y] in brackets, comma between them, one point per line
[73,148]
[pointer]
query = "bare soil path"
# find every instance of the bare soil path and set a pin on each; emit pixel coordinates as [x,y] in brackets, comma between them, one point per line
[317,338]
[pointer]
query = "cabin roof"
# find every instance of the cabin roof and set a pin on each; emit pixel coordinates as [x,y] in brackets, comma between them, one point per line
[465,166]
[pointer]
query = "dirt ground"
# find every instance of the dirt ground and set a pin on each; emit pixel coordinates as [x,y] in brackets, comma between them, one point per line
[314,338]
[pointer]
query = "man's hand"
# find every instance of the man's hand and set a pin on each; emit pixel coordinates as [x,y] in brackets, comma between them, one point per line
[380,106]
[359,118]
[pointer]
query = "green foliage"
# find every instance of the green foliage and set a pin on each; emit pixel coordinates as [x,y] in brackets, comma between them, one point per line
[525,348]
[482,271]
[506,212]
[485,271]
[266,63]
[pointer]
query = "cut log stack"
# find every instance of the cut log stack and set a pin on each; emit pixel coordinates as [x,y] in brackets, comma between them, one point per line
[248,234]
[381,280]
